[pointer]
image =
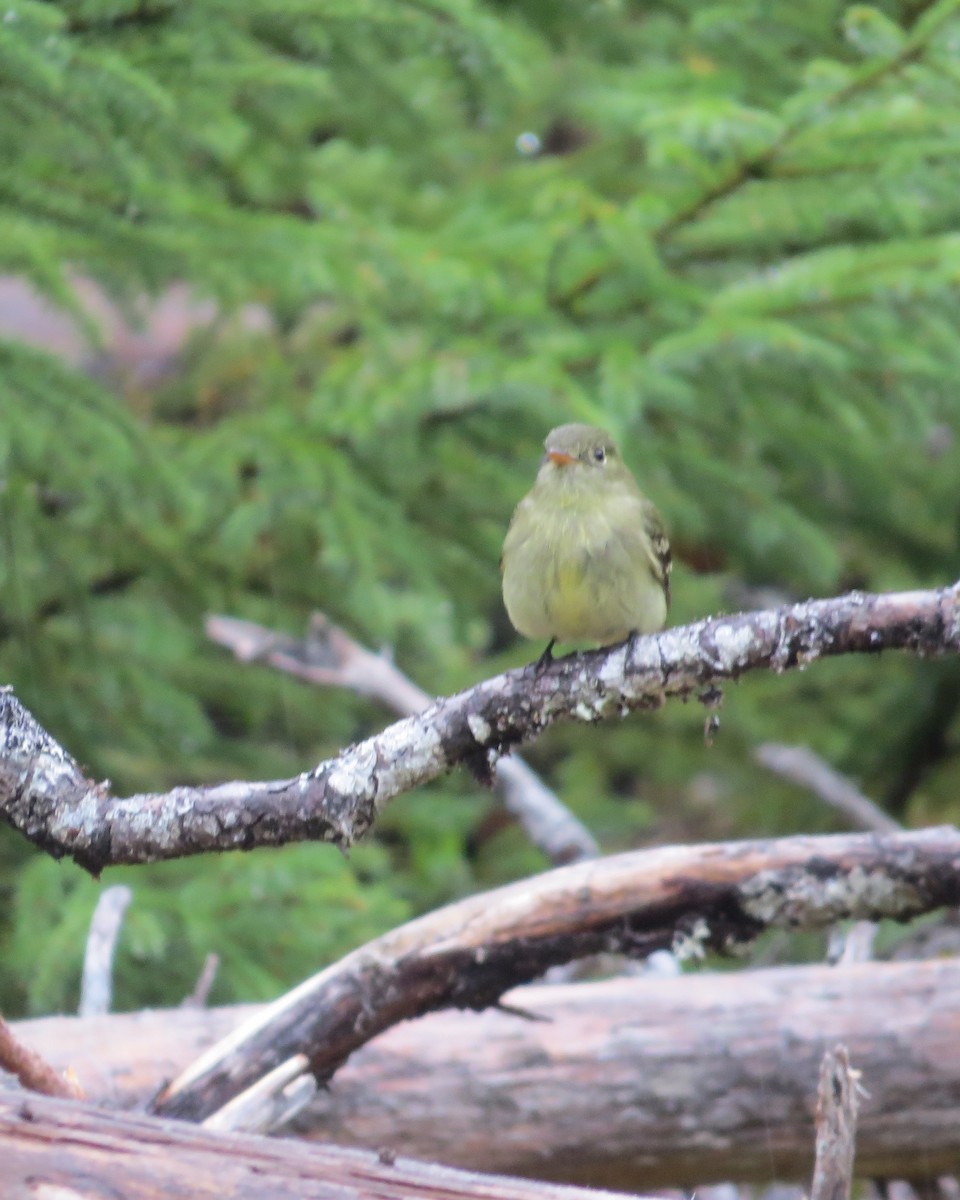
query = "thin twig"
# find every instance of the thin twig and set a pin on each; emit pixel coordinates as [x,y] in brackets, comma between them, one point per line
[201,992]
[802,766]
[762,162]
[32,1071]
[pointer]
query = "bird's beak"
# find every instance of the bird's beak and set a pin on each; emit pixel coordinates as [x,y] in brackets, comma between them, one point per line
[560,458]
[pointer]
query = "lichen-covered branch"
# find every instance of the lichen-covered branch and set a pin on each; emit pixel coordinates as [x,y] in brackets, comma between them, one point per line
[688,898]
[45,795]
[329,657]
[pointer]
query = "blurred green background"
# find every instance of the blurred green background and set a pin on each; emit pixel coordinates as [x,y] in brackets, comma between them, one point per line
[330,272]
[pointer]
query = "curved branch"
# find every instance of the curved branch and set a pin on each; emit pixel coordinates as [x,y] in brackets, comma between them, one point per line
[468,954]
[329,657]
[45,795]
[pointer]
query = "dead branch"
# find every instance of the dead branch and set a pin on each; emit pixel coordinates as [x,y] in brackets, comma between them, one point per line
[31,1070]
[45,795]
[271,1102]
[836,1127]
[329,657]
[201,989]
[631,1083]
[688,898]
[800,765]
[54,1148]
[96,984]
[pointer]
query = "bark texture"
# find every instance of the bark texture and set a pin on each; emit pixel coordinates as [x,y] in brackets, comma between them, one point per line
[329,657]
[631,1083]
[56,1150]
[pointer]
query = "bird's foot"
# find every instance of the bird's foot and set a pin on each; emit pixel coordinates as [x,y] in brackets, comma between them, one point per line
[546,658]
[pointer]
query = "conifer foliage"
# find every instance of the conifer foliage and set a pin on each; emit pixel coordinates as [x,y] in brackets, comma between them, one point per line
[730,233]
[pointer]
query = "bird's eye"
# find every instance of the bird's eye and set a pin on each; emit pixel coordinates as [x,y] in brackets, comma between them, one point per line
[599,454]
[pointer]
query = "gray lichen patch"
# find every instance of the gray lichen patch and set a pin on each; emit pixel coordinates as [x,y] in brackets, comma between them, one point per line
[794,896]
[733,642]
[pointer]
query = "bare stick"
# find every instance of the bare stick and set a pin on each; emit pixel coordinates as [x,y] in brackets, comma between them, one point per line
[45,795]
[800,765]
[96,985]
[31,1070]
[329,657]
[468,954]
[836,1127]
[201,991]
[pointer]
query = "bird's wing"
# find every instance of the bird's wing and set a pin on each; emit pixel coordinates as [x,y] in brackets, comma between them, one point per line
[660,557]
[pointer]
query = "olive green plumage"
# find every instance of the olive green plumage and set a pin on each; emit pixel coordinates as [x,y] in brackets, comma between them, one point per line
[586,557]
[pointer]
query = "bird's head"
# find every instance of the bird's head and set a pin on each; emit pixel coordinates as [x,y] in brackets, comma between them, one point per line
[575,451]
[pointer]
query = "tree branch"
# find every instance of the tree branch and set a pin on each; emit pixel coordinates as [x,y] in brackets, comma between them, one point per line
[800,765]
[96,983]
[329,657]
[45,795]
[762,162]
[468,954]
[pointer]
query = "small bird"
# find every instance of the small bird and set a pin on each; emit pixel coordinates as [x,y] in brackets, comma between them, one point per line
[586,557]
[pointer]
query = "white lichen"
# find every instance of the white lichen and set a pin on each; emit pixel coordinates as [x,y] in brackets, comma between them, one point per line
[479,727]
[732,642]
[691,944]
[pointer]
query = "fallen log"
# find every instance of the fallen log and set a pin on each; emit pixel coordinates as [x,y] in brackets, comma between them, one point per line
[631,1083]
[65,1150]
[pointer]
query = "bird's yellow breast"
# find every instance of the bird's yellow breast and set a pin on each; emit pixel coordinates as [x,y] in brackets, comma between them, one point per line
[570,599]
[580,572]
